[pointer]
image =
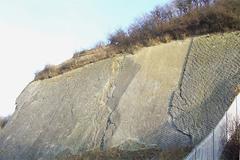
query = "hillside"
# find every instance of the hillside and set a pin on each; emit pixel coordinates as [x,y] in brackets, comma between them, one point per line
[176,20]
[165,96]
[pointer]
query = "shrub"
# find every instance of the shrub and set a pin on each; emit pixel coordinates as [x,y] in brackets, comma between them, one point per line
[3,121]
[166,38]
[100,44]
[49,71]
[232,148]
[119,38]
[174,21]
[77,61]
[183,18]
[78,54]
[237,89]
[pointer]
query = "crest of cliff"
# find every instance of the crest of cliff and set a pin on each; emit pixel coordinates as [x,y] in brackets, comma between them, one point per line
[159,101]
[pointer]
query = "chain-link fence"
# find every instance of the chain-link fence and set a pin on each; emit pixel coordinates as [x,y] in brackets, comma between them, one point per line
[212,146]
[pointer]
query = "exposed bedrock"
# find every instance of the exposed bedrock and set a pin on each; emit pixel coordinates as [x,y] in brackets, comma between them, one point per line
[206,88]
[170,95]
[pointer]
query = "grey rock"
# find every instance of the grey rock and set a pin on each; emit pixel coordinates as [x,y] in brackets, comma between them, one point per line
[170,95]
[206,88]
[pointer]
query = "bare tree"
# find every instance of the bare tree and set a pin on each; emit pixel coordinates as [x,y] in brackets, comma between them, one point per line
[196,3]
[232,148]
[117,38]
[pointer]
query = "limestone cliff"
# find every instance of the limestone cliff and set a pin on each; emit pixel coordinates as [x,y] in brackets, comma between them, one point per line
[170,95]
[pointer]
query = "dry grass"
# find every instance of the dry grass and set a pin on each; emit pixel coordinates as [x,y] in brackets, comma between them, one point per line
[78,60]
[163,24]
[237,89]
[144,154]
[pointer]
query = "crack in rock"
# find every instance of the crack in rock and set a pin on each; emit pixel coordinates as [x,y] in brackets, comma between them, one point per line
[181,96]
[122,74]
[108,125]
[172,119]
[106,96]
[205,88]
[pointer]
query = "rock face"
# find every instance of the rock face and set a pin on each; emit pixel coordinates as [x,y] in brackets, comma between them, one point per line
[163,96]
[207,86]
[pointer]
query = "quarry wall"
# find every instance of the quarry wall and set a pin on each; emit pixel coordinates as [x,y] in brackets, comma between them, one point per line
[163,96]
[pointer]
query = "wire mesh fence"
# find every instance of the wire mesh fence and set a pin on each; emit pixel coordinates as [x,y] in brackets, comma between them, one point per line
[212,146]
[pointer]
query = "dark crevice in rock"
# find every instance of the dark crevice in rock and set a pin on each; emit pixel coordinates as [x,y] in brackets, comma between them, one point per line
[183,73]
[172,120]
[126,72]
[205,89]
[108,125]
[181,96]
[72,111]
[112,85]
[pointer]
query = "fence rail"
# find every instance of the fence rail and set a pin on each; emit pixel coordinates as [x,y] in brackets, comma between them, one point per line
[212,146]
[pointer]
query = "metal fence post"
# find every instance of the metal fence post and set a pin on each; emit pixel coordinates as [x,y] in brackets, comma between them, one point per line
[213,144]
[201,151]
[226,126]
[195,153]
[238,122]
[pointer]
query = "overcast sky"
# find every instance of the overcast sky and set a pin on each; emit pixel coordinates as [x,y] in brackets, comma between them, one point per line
[34,33]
